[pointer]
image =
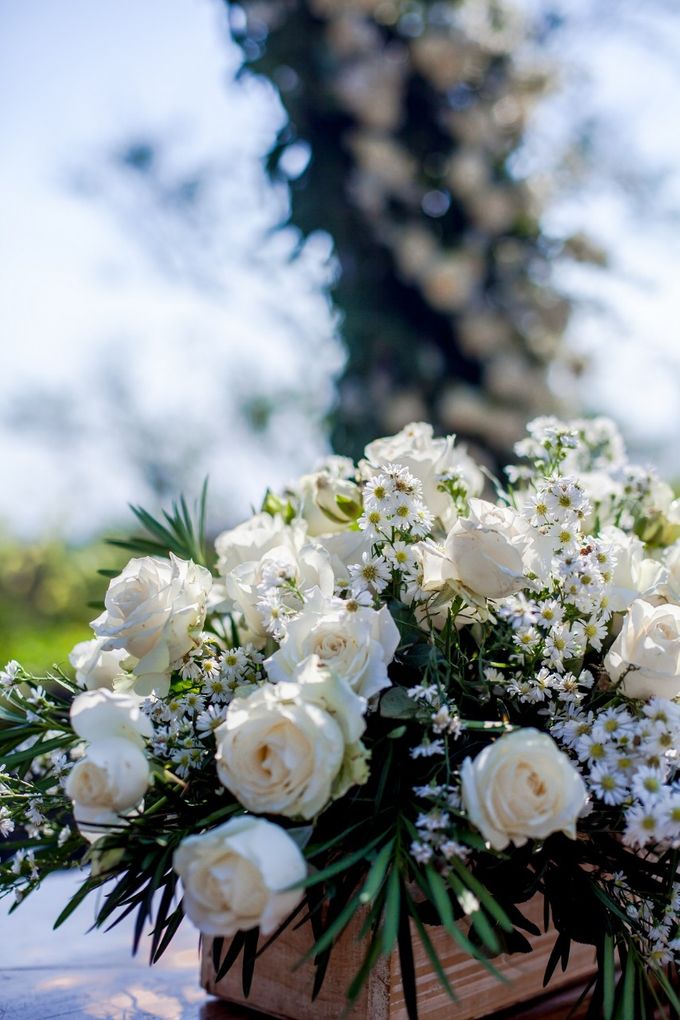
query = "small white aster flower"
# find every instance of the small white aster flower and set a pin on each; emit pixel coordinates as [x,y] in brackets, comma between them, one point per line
[608,783]
[372,572]
[644,824]
[209,720]
[9,674]
[6,822]
[648,783]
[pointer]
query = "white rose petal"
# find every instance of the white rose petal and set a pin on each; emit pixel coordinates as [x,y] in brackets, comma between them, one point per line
[94,666]
[356,646]
[237,877]
[314,683]
[522,787]
[154,611]
[279,753]
[633,574]
[100,714]
[487,555]
[646,652]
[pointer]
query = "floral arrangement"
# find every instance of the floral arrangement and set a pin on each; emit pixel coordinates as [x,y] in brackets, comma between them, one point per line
[386,698]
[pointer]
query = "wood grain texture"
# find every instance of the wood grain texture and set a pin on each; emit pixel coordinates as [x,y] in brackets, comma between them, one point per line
[74,973]
[283,992]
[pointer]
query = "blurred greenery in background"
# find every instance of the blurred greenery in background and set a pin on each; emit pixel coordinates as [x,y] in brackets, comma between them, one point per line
[45,589]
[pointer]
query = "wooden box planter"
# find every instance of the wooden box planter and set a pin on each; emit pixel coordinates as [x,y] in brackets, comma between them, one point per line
[278,991]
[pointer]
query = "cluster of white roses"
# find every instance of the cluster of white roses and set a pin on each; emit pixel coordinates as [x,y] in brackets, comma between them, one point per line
[262,684]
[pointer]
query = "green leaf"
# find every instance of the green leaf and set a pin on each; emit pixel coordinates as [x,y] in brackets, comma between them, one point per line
[337,867]
[334,929]
[608,978]
[249,958]
[430,950]
[88,886]
[377,873]
[668,989]
[231,955]
[301,834]
[396,704]
[626,1006]
[359,979]
[391,913]
[477,917]
[407,962]
[174,921]
[41,746]
[483,895]
[553,960]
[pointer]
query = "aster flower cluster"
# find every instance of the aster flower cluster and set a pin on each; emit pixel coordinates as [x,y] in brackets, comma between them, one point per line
[629,755]
[384,678]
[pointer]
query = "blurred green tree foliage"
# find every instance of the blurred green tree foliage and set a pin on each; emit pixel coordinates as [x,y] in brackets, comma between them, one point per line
[45,589]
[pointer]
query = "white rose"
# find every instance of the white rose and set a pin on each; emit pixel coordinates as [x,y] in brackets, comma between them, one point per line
[279,753]
[356,646]
[646,652]
[113,776]
[249,541]
[155,610]
[307,567]
[95,667]
[237,877]
[487,555]
[98,715]
[633,574]
[427,459]
[318,496]
[522,787]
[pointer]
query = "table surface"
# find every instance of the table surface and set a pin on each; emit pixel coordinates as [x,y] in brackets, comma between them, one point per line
[73,973]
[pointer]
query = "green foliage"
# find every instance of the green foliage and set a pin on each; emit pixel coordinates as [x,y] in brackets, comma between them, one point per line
[178,532]
[45,590]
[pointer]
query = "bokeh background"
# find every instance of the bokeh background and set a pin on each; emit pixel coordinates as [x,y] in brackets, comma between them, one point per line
[237,235]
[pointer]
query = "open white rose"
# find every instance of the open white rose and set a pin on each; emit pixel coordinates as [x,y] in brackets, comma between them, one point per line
[113,776]
[633,575]
[357,646]
[487,555]
[249,541]
[236,877]
[94,666]
[155,610]
[307,567]
[278,752]
[427,458]
[98,715]
[522,787]
[646,652]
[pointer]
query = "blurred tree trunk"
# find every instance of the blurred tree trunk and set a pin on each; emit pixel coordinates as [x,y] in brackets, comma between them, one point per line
[404,119]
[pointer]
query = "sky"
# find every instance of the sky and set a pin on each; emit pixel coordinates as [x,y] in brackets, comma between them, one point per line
[96,332]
